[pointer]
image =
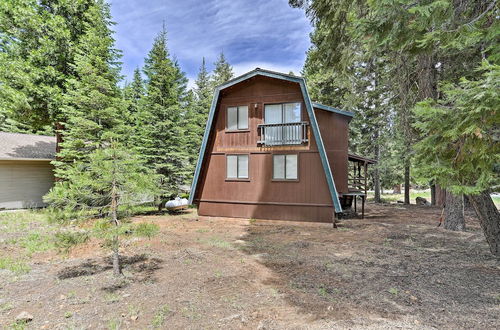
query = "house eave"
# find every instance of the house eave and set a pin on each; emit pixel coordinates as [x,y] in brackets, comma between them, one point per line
[27,159]
[332,109]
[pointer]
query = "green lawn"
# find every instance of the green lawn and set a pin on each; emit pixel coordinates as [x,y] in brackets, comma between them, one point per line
[393,198]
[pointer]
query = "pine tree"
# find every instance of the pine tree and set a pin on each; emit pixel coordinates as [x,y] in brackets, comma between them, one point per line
[203,90]
[223,71]
[37,51]
[358,86]
[162,136]
[460,132]
[133,95]
[99,172]
[94,108]
[429,44]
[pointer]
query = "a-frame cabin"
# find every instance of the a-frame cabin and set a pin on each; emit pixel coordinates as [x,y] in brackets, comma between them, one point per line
[268,152]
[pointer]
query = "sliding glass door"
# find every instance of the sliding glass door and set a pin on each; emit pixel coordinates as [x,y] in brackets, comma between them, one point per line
[281,115]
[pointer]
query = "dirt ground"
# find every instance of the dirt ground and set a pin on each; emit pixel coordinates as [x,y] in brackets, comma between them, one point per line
[393,269]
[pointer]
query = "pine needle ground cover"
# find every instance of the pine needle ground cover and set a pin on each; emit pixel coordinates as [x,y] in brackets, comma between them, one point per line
[392,269]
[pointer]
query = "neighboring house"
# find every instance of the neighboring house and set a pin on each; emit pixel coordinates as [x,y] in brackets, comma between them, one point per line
[25,170]
[270,153]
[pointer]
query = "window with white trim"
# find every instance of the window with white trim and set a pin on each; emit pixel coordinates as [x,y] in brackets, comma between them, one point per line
[237,166]
[237,118]
[285,167]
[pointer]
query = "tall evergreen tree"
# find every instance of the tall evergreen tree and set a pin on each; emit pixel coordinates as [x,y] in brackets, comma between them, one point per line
[428,43]
[197,113]
[162,138]
[203,89]
[223,71]
[93,105]
[37,52]
[359,86]
[133,95]
[99,171]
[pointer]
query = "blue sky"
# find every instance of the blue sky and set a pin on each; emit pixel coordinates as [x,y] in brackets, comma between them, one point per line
[252,33]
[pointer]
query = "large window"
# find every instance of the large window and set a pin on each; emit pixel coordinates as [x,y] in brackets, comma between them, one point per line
[282,124]
[285,167]
[237,166]
[237,118]
[282,113]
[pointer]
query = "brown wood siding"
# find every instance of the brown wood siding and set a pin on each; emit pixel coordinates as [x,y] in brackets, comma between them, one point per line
[271,212]
[307,199]
[334,129]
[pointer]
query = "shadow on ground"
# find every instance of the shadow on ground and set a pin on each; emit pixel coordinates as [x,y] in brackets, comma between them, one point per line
[393,264]
[139,264]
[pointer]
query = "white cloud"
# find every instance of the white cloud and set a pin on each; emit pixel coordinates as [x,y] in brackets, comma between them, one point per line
[263,33]
[244,67]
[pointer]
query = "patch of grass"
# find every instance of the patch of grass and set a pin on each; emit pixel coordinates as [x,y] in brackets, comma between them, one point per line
[133,311]
[327,293]
[65,240]
[114,324]
[131,210]
[14,265]
[36,242]
[5,307]
[393,198]
[190,312]
[111,298]
[145,229]
[393,291]
[202,230]
[160,316]
[252,221]
[328,265]
[343,229]
[217,242]
[19,325]
[19,221]
[68,315]
[218,274]
[322,292]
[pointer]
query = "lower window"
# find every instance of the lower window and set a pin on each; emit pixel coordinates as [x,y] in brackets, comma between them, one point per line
[285,167]
[237,167]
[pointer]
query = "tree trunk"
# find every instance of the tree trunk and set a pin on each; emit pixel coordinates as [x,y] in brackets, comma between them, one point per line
[376,174]
[433,193]
[117,271]
[489,218]
[59,140]
[454,212]
[114,218]
[407,184]
[467,204]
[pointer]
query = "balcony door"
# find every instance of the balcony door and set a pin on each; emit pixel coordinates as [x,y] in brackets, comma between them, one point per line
[282,118]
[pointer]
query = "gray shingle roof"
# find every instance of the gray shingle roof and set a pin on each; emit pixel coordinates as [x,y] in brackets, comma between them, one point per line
[16,146]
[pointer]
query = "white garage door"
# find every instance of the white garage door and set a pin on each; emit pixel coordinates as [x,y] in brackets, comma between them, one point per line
[23,183]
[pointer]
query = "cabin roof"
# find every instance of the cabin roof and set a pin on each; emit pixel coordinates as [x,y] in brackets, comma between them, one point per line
[360,159]
[312,117]
[17,146]
[332,109]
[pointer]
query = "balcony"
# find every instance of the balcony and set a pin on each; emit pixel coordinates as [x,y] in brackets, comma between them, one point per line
[283,134]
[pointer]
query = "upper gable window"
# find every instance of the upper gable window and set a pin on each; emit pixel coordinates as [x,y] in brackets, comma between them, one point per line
[237,118]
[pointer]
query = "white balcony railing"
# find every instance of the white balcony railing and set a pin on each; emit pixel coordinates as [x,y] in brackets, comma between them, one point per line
[283,134]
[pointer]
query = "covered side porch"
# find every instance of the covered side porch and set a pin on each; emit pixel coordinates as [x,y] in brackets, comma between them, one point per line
[357,183]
